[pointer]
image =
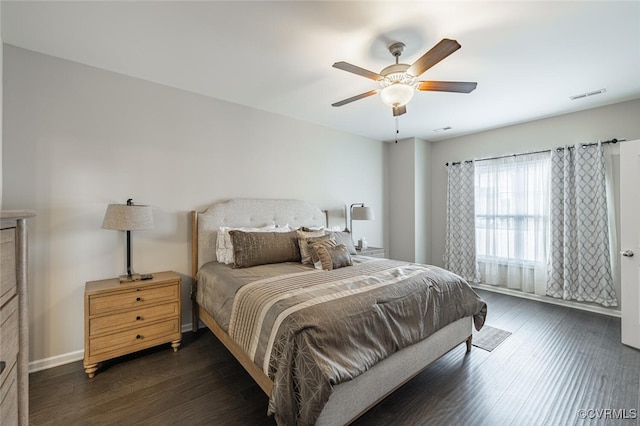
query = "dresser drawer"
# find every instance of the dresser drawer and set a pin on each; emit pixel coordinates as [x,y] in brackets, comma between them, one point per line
[8,336]
[8,262]
[132,340]
[133,318]
[9,398]
[134,298]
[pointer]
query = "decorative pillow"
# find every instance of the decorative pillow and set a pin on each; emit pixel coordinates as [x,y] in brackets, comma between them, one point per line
[344,237]
[224,246]
[334,257]
[260,248]
[324,241]
[305,256]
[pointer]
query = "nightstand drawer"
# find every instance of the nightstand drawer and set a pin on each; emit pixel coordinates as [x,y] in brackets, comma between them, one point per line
[9,397]
[8,336]
[104,304]
[8,262]
[133,318]
[132,340]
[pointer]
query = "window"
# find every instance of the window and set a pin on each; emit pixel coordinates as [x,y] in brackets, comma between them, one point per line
[512,210]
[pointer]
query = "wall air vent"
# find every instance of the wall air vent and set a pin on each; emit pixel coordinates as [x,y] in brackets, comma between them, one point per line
[584,95]
[442,129]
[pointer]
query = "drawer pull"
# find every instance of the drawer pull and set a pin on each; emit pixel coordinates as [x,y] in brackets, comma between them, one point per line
[138,318]
[138,299]
[138,337]
[2,366]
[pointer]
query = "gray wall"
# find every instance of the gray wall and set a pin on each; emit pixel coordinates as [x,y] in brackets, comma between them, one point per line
[77,138]
[409,200]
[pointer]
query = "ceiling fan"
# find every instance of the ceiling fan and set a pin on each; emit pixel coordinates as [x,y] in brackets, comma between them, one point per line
[398,81]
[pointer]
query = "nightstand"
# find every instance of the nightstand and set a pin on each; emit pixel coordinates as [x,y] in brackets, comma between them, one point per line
[371,252]
[121,318]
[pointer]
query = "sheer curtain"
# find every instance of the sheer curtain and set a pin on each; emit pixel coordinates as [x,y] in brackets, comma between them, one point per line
[580,259]
[512,221]
[460,243]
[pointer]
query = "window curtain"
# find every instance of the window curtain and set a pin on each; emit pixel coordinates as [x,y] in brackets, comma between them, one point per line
[460,237]
[579,266]
[512,221]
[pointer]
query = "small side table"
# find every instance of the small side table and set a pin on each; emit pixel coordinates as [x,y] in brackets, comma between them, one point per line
[371,251]
[122,318]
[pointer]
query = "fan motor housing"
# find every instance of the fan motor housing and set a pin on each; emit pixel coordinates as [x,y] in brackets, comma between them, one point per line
[396,73]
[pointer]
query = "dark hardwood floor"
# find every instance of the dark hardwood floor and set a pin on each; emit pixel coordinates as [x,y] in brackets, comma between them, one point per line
[557,362]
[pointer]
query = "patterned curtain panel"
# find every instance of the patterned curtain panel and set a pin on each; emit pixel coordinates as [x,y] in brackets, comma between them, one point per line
[579,266]
[460,241]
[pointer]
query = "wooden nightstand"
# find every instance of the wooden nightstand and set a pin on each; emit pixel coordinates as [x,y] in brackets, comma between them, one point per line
[121,318]
[371,251]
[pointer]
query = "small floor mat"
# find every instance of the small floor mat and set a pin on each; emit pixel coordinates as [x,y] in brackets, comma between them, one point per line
[489,338]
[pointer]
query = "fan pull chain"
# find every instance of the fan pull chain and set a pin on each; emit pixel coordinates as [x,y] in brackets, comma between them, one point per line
[397,131]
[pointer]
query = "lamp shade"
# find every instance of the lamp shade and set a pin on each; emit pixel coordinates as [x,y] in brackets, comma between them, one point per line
[123,217]
[362,213]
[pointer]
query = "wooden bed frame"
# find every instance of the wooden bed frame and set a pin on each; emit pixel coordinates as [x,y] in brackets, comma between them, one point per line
[350,399]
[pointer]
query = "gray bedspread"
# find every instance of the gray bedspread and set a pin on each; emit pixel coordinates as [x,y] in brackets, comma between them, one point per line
[310,330]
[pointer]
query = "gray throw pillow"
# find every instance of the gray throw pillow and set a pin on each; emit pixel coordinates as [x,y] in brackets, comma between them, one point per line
[334,257]
[344,237]
[260,248]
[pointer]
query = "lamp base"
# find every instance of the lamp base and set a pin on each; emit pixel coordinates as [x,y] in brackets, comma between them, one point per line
[130,278]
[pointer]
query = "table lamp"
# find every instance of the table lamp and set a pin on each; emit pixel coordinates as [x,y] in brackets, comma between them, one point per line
[128,217]
[358,211]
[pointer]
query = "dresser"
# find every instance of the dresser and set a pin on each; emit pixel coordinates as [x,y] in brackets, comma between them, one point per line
[14,321]
[121,318]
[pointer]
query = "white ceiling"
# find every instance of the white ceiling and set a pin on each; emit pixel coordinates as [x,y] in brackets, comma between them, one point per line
[527,57]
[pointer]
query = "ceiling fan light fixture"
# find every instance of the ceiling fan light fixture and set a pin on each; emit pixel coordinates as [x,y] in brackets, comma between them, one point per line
[397,94]
[398,81]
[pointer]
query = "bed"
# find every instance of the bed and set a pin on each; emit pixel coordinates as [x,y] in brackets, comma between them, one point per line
[298,354]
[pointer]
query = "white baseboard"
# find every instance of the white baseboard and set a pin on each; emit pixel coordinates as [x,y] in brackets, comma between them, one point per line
[55,361]
[58,360]
[546,299]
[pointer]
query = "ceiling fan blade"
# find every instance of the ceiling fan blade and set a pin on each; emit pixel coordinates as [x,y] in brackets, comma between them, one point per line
[399,110]
[447,86]
[356,97]
[437,53]
[345,66]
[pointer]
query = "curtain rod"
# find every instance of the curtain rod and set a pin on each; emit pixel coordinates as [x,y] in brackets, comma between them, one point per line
[614,140]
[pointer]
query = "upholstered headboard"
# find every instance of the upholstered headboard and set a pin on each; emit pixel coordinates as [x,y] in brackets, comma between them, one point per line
[247,212]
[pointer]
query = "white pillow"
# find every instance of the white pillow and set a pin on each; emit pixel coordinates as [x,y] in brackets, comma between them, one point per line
[224,246]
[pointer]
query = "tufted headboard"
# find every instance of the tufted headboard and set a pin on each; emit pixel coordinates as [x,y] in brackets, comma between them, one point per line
[246,212]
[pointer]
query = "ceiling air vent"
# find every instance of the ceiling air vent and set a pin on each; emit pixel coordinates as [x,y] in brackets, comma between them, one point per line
[442,129]
[584,95]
